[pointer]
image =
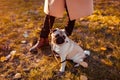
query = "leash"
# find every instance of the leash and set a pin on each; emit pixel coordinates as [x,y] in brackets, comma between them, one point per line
[53,52]
[58,63]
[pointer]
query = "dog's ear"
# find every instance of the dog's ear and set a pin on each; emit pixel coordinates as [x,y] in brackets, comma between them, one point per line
[53,30]
[65,32]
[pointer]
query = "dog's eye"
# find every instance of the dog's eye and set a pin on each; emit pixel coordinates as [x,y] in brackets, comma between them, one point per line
[54,30]
[63,36]
[57,35]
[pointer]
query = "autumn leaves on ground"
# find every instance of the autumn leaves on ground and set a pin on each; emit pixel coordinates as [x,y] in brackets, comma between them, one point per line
[20,23]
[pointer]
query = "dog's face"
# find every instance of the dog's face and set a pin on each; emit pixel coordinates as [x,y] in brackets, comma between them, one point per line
[59,36]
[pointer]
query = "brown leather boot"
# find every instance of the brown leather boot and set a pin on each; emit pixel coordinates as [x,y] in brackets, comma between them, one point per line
[46,41]
[40,43]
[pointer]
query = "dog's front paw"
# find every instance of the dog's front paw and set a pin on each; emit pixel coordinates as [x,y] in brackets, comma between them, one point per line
[84,64]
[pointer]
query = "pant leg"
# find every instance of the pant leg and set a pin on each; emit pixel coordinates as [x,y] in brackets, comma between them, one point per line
[48,23]
[70,23]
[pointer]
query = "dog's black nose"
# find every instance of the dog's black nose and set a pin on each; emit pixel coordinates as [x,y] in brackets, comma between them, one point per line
[60,40]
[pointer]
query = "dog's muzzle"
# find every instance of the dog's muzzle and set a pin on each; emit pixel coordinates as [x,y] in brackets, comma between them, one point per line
[60,40]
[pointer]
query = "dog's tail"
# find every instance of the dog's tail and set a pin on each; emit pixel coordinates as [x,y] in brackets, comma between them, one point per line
[87,52]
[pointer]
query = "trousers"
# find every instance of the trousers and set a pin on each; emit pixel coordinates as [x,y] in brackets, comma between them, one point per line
[49,21]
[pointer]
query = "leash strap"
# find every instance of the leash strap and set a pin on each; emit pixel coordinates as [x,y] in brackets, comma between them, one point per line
[63,61]
[57,59]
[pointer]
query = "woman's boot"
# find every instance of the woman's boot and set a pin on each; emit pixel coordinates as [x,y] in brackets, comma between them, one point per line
[40,43]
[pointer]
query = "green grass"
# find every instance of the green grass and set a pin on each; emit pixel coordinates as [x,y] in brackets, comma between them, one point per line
[99,33]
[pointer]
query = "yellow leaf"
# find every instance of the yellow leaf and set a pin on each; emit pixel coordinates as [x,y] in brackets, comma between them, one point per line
[107,62]
[83,77]
[2,59]
[103,48]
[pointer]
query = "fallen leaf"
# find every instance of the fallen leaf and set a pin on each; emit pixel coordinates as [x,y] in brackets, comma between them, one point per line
[103,48]
[2,59]
[83,77]
[17,76]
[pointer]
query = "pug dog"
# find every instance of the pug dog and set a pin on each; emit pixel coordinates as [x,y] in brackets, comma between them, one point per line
[67,49]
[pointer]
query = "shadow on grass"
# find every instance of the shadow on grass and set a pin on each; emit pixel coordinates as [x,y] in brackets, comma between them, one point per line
[96,70]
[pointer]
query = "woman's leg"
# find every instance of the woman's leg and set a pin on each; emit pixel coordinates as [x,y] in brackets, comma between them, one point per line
[48,23]
[69,27]
[70,23]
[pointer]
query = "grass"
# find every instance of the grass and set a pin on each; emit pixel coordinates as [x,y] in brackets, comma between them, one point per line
[99,33]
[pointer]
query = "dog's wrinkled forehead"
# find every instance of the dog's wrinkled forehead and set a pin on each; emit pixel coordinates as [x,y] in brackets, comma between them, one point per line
[58,31]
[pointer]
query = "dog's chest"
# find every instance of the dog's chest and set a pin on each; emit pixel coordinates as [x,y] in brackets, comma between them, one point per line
[60,48]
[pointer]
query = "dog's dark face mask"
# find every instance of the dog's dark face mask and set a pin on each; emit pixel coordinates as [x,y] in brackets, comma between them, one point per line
[59,39]
[59,36]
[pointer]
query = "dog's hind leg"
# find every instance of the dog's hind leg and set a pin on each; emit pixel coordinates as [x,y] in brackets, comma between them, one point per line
[82,63]
[77,61]
[76,65]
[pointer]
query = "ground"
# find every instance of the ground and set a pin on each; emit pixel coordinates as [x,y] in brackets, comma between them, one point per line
[20,23]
